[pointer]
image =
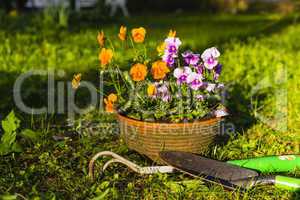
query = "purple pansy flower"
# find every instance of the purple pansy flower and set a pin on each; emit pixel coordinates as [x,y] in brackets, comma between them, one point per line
[217,71]
[220,86]
[162,92]
[181,74]
[166,97]
[211,52]
[172,49]
[200,97]
[172,45]
[210,57]
[210,87]
[170,41]
[169,59]
[190,58]
[194,80]
[200,69]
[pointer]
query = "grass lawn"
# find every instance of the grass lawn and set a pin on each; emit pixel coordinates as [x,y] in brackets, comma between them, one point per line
[257,50]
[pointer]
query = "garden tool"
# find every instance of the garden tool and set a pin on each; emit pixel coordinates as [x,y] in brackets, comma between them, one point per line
[134,167]
[229,175]
[226,174]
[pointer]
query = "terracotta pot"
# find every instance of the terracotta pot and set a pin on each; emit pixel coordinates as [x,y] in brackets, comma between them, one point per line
[149,138]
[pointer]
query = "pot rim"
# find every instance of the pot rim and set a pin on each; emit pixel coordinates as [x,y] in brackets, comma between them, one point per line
[198,122]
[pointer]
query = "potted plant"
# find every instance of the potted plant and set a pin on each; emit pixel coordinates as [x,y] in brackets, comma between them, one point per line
[166,98]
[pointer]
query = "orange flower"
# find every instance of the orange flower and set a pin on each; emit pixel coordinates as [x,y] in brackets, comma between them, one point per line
[123,32]
[105,56]
[109,102]
[112,98]
[138,34]
[138,72]
[101,38]
[109,106]
[151,90]
[172,33]
[159,69]
[76,81]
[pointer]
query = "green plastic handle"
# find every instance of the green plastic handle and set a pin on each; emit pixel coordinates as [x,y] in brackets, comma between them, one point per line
[285,163]
[288,183]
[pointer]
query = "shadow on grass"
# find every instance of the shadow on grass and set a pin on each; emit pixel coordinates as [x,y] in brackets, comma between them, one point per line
[240,117]
[238,104]
[35,92]
[296,195]
[241,30]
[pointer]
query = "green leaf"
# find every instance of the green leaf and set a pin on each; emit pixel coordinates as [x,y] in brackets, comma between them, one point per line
[4,149]
[104,184]
[103,195]
[16,148]
[30,135]
[10,125]
[8,140]
[8,197]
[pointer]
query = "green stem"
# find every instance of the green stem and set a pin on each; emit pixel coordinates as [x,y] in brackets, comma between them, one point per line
[133,46]
[178,63]
[145,51]
[119,73]
[116,86]
[111,44]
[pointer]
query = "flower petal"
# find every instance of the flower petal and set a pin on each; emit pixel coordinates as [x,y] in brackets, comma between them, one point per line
[178,72]
[187,70]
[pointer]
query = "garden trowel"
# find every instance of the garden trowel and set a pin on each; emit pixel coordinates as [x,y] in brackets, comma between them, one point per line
[229,175]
